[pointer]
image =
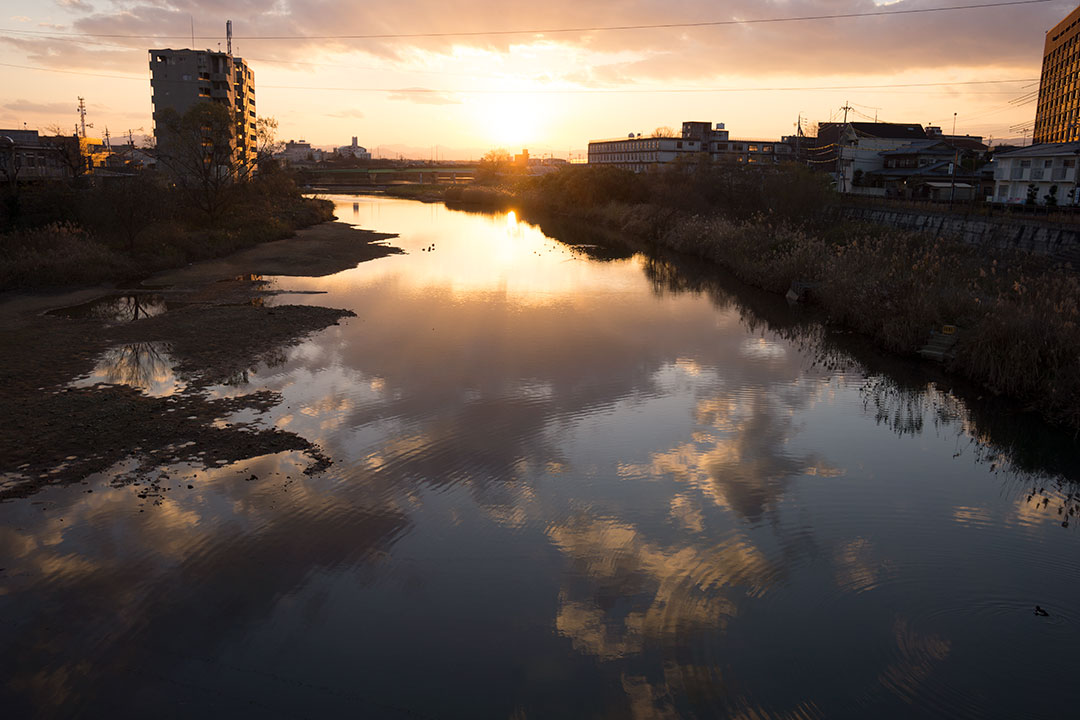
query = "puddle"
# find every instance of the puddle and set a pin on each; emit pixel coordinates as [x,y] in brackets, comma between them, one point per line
[117,308]
[145,366]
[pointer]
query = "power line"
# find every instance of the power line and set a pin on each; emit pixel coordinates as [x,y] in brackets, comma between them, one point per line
[76,72]
[555,31]
[602,91]
[549,91]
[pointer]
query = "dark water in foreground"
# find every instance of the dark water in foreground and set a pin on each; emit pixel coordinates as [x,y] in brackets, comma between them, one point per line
[561,487]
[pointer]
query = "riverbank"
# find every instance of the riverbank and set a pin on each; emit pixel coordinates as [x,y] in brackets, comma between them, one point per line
[100,235]
[1017,314]
[101,382]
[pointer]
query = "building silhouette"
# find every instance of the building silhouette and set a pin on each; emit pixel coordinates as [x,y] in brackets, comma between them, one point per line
[697,141]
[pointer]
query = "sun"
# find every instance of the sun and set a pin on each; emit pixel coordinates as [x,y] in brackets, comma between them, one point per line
[512,120]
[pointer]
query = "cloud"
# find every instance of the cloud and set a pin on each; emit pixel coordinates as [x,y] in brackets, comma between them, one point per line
[1004,37]
[46,108]
[424,96]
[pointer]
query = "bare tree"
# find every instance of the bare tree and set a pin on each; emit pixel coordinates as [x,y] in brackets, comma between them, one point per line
[266,142]
[9,173]
[494,163]
[663,132]
[68,149]
[200,151]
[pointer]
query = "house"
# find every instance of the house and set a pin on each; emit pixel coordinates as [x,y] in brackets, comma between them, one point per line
[130,158]
[921,169]
[852,147]
[1039,171]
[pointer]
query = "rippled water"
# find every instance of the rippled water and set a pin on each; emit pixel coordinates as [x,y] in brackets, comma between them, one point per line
[562,486]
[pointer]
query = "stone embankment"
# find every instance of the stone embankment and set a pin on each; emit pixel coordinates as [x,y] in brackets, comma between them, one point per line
[1059,241]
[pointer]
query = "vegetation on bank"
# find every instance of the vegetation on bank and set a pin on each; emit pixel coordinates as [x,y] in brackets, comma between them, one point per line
[123,228]
[1018,313]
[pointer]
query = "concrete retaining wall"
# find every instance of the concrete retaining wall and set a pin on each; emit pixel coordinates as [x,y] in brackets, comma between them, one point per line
[1062,242]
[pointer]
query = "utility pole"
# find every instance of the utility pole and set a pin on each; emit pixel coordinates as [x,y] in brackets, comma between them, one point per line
[798,137]
[952,188]
[82,116]
[841,184]
[956,158]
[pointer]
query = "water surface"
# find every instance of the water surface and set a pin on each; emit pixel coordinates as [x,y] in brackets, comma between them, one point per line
[562,486]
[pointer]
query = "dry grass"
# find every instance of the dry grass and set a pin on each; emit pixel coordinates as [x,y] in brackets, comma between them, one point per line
[99,243]
[1018,315]
[57,254]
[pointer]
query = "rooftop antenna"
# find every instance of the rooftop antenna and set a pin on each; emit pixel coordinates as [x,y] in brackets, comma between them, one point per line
[192,31]
[228,36]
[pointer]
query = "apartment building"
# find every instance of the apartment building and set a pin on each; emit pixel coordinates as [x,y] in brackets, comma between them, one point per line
[1056,116]
[181,78]
[24,156]
[696,140]
[1045,166]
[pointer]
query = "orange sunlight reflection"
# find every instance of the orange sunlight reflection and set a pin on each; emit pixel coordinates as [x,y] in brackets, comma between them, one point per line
[451,255]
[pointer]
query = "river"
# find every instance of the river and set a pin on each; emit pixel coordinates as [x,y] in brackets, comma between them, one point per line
[566,481]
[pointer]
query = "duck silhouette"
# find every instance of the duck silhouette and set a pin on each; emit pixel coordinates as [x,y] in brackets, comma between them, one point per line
[1040,612]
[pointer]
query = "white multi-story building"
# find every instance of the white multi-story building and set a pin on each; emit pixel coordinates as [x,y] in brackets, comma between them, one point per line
[1044,166]
[698,139]
[300,152]
[354,151]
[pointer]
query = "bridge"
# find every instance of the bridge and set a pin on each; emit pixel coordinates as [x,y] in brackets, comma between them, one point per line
[351,177]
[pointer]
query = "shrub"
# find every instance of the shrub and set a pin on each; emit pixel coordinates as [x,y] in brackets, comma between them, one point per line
[57,254]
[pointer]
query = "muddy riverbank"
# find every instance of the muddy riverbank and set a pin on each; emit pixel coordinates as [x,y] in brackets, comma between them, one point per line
[123,374]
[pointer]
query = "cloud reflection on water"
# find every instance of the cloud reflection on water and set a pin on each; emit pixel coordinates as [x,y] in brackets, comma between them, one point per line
[635,454]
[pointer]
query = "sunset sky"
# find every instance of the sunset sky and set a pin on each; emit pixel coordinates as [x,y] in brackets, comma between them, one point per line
[548,91]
